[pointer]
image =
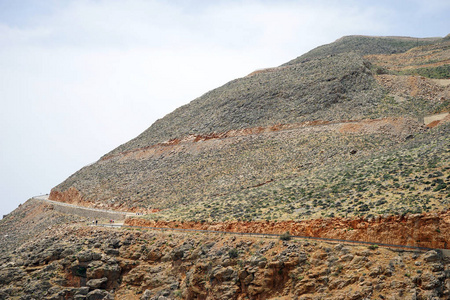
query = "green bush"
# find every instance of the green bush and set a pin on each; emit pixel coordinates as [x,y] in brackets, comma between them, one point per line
[233,253]
[373,247]
[286,236]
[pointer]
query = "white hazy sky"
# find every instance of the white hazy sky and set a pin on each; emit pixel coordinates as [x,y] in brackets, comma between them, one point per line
[79,78]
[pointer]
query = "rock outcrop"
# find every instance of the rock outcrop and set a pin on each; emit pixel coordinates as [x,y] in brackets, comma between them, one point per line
[95,263]
[430,230]
[331,144]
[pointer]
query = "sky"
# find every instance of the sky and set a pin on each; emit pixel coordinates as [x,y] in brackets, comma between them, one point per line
[79,78]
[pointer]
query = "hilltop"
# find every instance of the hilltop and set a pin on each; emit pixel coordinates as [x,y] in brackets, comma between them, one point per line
[332,82]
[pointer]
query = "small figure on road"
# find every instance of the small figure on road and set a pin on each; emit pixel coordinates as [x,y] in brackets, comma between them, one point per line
[96,222]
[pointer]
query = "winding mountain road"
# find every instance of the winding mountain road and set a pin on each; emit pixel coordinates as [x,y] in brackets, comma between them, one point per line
[71,208]
[44,198]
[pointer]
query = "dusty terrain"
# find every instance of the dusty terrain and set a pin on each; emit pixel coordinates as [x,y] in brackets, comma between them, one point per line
[331,144]
[76,261]
[430,230]
[287,126]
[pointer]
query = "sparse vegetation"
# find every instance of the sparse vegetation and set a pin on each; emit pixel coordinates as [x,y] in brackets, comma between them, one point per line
[304,171]
[373,247]
[439,72]
[233,253]
[331,134]
[286,236]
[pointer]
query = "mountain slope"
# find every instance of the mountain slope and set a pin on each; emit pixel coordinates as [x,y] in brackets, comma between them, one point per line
[242,144]
[331,82]
[327,88]
[350,141]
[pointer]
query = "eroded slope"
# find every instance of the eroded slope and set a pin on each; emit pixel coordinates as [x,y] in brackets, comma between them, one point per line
[280,143]
[191,173]
[92,263]
[327,88]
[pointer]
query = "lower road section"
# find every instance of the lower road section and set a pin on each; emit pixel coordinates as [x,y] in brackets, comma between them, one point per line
[116,219]
[101,215]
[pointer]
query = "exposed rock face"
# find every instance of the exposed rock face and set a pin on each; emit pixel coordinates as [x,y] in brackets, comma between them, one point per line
[415,86]
[71,195]
[149,265]
[29,221]
[421,230]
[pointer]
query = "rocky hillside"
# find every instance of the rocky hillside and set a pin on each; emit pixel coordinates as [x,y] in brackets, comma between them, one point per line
[81,262]
[287,142]
[327,88]
[348,141]
[332,82]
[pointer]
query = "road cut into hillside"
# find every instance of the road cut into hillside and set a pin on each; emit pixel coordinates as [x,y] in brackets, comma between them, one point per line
[429,230]
[401,127]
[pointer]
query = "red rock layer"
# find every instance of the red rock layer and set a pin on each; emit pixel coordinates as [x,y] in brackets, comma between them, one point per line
[71,195]
[430,230]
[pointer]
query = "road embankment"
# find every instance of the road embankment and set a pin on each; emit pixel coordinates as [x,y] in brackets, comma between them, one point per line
[429,230]
[90,213]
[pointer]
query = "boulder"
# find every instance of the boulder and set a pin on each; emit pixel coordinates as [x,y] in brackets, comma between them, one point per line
[429,281]
[97,283]
[82,291]
[99,295]
[432,256]
[224,274]
[84,256]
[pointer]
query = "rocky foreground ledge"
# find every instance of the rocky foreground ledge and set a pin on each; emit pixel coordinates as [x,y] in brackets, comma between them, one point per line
[99,263]
[63,258]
